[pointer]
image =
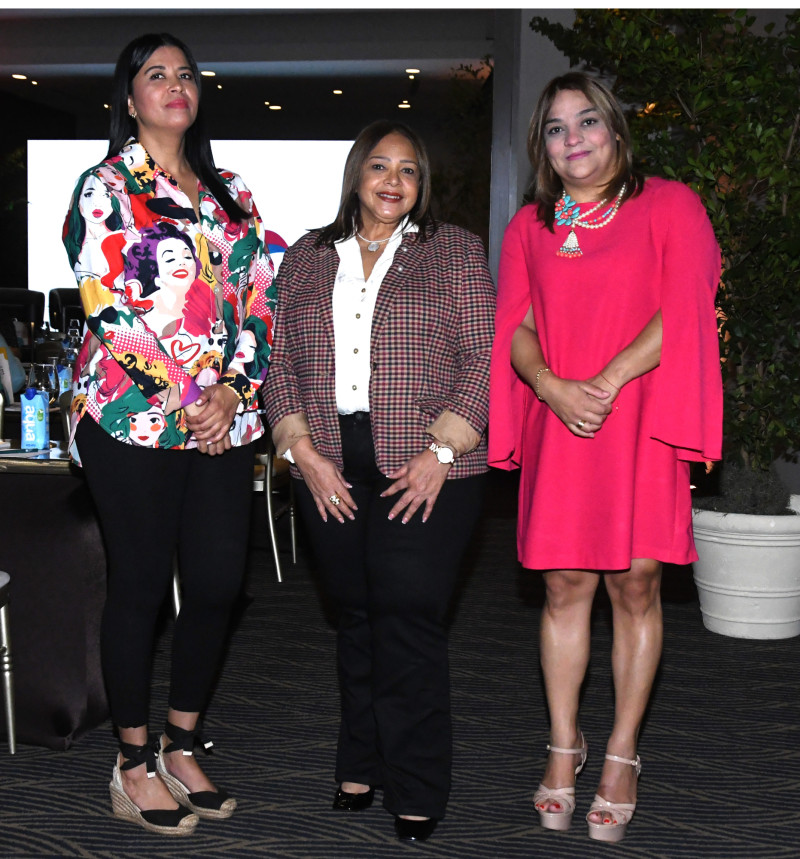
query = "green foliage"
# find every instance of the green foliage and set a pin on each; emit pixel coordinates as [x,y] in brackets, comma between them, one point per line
[715,104]
[462,172]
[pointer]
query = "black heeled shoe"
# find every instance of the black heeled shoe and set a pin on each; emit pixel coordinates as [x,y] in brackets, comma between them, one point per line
[211,804]
[165,821]
[344,801]
[414,830]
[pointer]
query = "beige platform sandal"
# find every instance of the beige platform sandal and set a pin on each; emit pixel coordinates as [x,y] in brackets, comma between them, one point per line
[616,815]
[561,797]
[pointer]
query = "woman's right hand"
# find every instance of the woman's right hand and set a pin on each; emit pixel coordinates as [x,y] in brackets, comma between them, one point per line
[324,480]
[574,400]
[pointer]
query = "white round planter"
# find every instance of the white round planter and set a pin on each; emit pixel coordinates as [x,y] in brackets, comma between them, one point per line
[748,573]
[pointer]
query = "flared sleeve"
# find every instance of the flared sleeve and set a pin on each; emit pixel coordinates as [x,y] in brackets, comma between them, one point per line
[507,392]
[687,406]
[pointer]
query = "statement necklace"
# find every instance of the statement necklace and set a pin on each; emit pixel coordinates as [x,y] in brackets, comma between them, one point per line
[568,214]
[372,246]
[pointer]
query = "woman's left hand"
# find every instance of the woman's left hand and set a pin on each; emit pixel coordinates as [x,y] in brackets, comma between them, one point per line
[422,477]
[210,417]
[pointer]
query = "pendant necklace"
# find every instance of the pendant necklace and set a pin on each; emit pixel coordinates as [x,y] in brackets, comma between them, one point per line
[372,245]
[568,214]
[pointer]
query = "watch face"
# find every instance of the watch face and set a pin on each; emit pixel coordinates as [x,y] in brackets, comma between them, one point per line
[444,455]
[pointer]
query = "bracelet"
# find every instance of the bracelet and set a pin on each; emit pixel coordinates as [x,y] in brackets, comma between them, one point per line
[607,382]
[536,382]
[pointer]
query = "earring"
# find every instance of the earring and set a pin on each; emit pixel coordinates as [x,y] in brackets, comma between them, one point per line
[132,114]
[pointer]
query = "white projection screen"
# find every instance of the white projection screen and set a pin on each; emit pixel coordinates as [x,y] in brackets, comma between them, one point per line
[296,186]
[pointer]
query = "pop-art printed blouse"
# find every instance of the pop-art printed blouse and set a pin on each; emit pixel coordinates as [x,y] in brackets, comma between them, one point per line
[168,299]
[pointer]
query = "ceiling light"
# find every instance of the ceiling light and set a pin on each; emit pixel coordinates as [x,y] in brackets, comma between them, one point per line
[404,106]
[266,103]
[411,77]
[274,107]
[208,74]
[412,71]
[337,92]
[219,86]
[35,83]
[107,106]
[20,77]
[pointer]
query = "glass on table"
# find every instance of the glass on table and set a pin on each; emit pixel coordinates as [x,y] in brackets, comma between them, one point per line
[42,378]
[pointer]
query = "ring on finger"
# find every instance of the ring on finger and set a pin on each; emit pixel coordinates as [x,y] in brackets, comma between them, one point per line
[335,500]
[580,424]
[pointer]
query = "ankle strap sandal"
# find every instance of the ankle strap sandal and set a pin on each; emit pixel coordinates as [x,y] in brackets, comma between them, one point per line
[210,804]
[615,816]
[165,821]
[556,806]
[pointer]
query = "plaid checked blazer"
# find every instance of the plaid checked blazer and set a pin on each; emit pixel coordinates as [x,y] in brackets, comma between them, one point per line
[430,346]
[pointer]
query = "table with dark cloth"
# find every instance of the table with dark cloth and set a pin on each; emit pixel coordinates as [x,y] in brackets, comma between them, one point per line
[50,545]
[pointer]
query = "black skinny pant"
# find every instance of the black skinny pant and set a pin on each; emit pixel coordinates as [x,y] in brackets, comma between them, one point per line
[393,584]
[151,503]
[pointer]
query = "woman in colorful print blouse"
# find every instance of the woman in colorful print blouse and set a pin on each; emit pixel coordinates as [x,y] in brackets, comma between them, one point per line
[177,287]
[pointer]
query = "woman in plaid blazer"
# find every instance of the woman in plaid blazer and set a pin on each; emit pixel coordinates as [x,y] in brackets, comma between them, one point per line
[378,396]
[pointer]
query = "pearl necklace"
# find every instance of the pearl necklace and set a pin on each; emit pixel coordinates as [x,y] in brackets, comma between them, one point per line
[568,214]
[372,245]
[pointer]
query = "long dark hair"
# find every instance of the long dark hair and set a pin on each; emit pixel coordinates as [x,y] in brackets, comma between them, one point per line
[197,146]
[348,216]
[546,186]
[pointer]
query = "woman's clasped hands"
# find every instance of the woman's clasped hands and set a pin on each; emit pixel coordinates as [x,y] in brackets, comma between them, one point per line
[581,405]
[210,417]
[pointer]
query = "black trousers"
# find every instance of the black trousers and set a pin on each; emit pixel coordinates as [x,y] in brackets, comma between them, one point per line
[393,584]
[151,503]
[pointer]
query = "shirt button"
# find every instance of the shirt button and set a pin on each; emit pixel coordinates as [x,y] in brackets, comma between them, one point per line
[358,316]
[355,387]
[355,351]
[364,289]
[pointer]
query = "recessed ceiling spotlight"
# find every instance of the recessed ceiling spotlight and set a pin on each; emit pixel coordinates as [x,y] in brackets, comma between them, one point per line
[208,74]
[411,77]
[274,107]
[35,83]
[412,71]
[404,106]
[266,103]
[337,92]
[219,86]
[107,106]
[20,77]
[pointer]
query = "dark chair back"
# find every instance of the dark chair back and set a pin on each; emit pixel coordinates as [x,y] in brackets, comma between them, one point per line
[65,304]
[26,306]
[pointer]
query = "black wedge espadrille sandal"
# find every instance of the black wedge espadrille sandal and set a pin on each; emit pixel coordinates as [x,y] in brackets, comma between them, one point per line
[165,821]
[209,804]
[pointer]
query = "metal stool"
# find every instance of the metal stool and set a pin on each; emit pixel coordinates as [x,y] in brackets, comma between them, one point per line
[5,662]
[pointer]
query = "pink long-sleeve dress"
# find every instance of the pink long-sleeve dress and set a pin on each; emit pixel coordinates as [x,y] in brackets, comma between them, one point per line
[597,503]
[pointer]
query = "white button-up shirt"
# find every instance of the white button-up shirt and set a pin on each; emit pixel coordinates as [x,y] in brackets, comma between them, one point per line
[353,306]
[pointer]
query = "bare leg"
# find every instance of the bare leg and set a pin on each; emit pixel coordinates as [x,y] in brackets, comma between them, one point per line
[146,793]
[638,633]
[354,787]
[564,637]
[185,768]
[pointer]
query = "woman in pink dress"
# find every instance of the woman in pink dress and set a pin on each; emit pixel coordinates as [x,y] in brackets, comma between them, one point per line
[605,385]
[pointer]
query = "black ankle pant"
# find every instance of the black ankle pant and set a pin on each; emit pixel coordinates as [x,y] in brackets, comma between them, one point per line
[393,584]
[151,503]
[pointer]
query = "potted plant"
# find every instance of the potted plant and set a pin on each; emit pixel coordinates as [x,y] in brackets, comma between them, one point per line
[714,104]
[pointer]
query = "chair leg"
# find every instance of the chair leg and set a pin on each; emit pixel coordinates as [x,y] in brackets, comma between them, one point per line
[176,586]
[8,679]
[292,524]
[270,517]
